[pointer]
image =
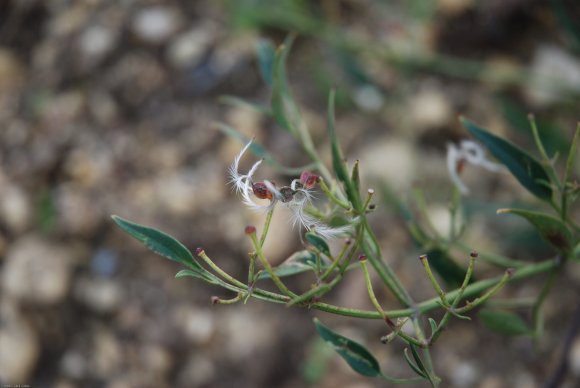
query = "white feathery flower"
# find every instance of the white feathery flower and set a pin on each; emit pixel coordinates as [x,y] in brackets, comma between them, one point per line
[294,197]
[472,153]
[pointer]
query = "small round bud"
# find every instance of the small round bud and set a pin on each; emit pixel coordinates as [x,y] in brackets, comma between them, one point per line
[261,191]
[509,272]
[370,191]
[372,206]
[199,251]
[309,179]
[348,241]
[215,300]
[250,229]
[474,254]
[362,258]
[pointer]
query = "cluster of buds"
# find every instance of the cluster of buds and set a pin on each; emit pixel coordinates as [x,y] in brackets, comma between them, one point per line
[296,196]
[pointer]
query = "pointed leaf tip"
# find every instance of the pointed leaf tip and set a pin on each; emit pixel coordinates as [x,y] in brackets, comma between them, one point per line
[356,355]
[157,241]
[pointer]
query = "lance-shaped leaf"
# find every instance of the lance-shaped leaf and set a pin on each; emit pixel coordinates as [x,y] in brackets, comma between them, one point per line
[356,355]
[159,242]
[503,322]
[550,228]
[266,55]
[318,243]
[283,107]
[299,262]
[527,170]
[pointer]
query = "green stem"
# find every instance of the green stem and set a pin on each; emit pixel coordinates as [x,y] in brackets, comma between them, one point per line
[425,261]
[492,258]
[491,292]
[568,171]
[328,192]
[266,226]
[537,308]
[266,264]
[447,316]
[545,158]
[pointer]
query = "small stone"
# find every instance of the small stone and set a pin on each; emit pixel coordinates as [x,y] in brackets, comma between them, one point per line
[15,208]
[96,42]
[198,370]
[73,364]
[574,360]
[11,70]
[100,295]
[155,359]
[430,109]
[369,98]
[156,24]
[37,270]
[392,161]
[554,71]
[198,325]
[464,374]
[19,348]
[188,48]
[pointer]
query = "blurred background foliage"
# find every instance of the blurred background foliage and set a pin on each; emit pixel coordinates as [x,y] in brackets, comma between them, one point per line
[108,106]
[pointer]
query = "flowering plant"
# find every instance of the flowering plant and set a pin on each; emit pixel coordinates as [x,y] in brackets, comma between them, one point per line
[341,188]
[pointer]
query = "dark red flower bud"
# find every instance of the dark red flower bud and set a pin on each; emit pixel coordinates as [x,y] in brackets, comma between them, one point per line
[362,258]
[215,300]
[199,251]
[261,191]
[309,179]
[250,229]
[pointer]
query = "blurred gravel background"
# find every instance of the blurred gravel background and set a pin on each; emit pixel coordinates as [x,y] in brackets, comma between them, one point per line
[107,107]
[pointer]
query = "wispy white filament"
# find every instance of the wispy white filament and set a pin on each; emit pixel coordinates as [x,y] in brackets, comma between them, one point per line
[472,153]
[301,197]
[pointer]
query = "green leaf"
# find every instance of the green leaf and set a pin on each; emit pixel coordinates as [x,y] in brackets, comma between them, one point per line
[282,103]
[195,274]
[266,55]
[550,228]
[356,355]
[319,243]
[159,242]
[433,325]
[299,262]
[413,366]
[504,322]
[527,170]
[451,272]
[338,161]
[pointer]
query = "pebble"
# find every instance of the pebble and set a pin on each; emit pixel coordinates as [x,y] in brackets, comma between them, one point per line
[15,208]
[430,109]
[198,324]
[11,71]
[37,270]
[554,71]
[574,358]
[99,295]
[96,42]
[390,160]
[188,48]
[198,370]
[19,347]
[464,374]
[156,24]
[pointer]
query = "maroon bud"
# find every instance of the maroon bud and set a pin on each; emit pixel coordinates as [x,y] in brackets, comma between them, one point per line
[372,206]
[215,300]
[474,254]
[199,251]
[250,229]
[509,272]
[308,179]
[261,191]
[348,241]
[362,258]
